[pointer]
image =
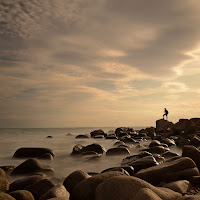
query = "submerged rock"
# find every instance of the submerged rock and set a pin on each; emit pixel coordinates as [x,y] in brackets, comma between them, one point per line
[117,151]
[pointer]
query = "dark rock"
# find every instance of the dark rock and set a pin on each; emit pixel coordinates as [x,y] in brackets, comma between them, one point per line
[22,183]
[117,151]
[193,153]
[162,126]
[40,188]
[56,191]
[182,125]
[193,129]
[82,136]
[97,132]
[8,168]
[155,143]
[79,149]
[32,152]
[22,195]
[128,140]
[195,121]
[195,141]
[179,169]
[49,136]
[119,169]
[46,156]
[168,141]
[69,134]
[99,136]
[111,137]
[157,149]
[182,141]
[85,190]
[195,180]
[119,143]
[127,187]
[182,186]
[4,184]
[30,167]
[169,154]
[74,178]
[140,163]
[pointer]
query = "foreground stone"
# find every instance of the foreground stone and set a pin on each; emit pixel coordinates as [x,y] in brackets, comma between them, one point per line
[30,167]
[4,196]
[4,184]
[97,132]
[32,152]
[126,187]
[85,190]
[117,151]
[56,191]
[74,178]
[22,195]
[179,169]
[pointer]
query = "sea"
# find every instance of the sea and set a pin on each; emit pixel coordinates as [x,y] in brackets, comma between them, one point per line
[62,142]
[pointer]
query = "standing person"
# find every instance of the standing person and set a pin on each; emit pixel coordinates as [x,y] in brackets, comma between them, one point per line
[166,114]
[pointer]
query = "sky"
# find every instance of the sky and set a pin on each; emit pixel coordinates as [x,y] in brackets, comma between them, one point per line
[79,63]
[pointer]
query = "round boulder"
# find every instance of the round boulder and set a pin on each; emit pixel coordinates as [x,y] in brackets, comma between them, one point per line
[117,151]
[22,195]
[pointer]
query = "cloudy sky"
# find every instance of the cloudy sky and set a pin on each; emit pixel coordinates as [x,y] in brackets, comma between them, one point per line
[70,63]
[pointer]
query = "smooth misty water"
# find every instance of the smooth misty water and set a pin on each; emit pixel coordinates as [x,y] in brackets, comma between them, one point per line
[61,144]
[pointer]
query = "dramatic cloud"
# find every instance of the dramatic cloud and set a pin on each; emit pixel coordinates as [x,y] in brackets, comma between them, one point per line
[70,63]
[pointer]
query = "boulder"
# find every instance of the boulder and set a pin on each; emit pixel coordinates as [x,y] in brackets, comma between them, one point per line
[4,184]
[56,191]
[40,188]
[195,180]
[157,149]
[22,195]
[32,152]
[79,149]
[30,167]
[195,121]
[180,169]
[119,169]
[182,186]
[119,143]
[193,153]
[4,196]
[195,141]
[74,178]
[154,143]
[82,136]
[22,183]
[7,168]
[140,163]
[85,190]
[181,125]
[97,132]
[193,129]
[127,187]
[162,126]
[117,151]
[128,140]
[169,154]
[168,141]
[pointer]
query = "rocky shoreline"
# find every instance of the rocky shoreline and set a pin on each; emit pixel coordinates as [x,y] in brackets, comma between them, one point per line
[154,173]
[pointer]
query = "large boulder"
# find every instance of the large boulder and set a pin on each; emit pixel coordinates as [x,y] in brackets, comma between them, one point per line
[82,136]
[179,169]
[117,151]
[162,126]
[4,196]
[85,190]
[30,167]
[4,184]
[79,149]
[22,195]
[181,125]
[97,132]
[32,152]
[195,141]
[56,191]
[22,183]
[193,153]
[195,121]
[40,188]
[127,187]
[74,178]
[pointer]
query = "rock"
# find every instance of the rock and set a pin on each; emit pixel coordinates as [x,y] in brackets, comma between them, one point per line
[127,187]
[168,141]
[8,168]
[157,149]
[193,197]
[163,125]
[56,191]
[85,190]
[195,141]
[22,183]
[169,154]
[193,153]
[30,167]
[181,125]
[32,152]
[111,137]
[46,156]
[119,169]
[195,180]
[179,169]
[119,143]
[49,136]
[193,129]
[128,140]
[97,132]
[99,137]
[69,134]
[79,149]
[22,195]
[147,194]
[82,136]
[182,186]
[195,121]
[141,163]
[4,184]
[117,151]
[182,141]
[154,143]
[74,178]
[4,196]
[40,188]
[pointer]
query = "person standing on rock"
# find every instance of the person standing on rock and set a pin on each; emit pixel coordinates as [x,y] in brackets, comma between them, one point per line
[166,114]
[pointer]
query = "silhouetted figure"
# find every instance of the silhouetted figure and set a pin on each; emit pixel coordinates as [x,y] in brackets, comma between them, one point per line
[166,114]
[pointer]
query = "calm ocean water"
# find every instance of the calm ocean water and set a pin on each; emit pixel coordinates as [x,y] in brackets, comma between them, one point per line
[61,144]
